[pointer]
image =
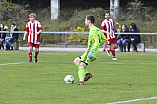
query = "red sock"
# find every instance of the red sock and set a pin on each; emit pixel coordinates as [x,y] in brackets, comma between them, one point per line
[113,52]
[30,56]
[36,53]
[110,49]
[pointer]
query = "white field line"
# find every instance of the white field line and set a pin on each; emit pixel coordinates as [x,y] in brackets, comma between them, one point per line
[129,63]
[132,100]
[16,63]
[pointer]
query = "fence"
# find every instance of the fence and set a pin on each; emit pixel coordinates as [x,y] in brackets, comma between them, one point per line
[62,37]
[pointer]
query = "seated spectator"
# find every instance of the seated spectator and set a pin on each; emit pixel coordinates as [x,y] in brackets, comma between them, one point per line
[13,37]
[2,35]
[135,38]
[124,38]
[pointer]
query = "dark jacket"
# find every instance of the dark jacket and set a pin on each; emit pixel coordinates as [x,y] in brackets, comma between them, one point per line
[135,36]
[15,35]
[125,36]
[4,34]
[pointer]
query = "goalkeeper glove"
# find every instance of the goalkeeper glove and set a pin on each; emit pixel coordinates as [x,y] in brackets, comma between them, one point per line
[91,54]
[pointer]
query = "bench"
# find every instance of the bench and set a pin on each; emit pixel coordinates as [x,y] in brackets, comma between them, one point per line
[16,44]
[75,44]
[142,44]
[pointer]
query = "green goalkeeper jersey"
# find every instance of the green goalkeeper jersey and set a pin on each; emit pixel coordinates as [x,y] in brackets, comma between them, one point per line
[95,39]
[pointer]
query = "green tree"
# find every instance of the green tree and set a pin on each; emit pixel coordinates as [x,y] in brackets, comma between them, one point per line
[12,11]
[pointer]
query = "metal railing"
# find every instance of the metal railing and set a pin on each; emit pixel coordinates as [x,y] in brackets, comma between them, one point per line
[73,32]
[63,37]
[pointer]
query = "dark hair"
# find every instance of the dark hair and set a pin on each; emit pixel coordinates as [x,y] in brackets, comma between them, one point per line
[107,12]
[125,26]
[133,26]
[13,24]
[91,18]
[3,27]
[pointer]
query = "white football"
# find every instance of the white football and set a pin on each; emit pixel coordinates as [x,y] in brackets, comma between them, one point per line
[69,79]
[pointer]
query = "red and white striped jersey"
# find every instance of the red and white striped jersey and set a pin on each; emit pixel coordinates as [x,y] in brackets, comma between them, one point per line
[108,25]
[32,29]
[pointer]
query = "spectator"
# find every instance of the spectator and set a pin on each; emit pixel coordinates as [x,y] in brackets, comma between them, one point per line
[13,37]
[135,38]
[2,35]
[124,38]
[115,31]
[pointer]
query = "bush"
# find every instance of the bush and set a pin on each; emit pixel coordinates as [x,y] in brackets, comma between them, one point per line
[78,38]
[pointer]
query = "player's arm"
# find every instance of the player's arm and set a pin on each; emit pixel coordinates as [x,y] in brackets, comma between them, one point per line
[96,45]
[106,32]
[88,49]
[24,37]
[39,32]
[39,28]
[96,42]
[103,27]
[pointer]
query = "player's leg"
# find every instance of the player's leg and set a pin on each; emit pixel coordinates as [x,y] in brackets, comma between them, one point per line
[113,47]
[30,53]
[77,61]
[87,74]
[36,52]
[81,73]
[104,46]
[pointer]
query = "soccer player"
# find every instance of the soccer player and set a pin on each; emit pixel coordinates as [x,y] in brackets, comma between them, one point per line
[107,28]
[95,39]
[33,29]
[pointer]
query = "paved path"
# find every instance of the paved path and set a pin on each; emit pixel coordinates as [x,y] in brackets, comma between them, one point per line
[78,49]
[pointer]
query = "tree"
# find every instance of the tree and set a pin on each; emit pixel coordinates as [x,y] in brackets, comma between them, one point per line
[12,11]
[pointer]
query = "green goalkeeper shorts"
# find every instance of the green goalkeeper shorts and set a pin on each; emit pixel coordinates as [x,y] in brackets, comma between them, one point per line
[86,60]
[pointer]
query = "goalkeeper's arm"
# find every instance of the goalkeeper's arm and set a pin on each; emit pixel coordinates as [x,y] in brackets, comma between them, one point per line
[103,39]
[96,45]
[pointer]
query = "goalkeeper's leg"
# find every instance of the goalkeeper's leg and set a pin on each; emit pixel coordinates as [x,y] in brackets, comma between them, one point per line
[77,62]
[81,73]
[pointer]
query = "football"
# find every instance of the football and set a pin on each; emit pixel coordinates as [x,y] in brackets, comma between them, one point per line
[69,79]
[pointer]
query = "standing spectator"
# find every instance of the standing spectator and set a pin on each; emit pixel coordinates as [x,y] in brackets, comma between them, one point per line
[124,38]
[13,37]
[135,38]
[2,35]
[33,29]
[107,28]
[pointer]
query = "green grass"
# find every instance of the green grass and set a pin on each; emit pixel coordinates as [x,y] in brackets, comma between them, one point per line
[133,76]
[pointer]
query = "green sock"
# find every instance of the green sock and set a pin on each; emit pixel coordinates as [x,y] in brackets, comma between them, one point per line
[78,64]
[85,71]
[81,74]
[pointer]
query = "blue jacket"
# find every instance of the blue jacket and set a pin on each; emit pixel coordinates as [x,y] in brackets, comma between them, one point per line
[135,36]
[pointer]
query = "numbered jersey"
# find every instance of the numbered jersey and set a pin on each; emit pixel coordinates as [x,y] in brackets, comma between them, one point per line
[32,29]
[108,25]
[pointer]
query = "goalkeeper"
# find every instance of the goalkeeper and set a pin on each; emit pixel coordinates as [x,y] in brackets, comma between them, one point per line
[95,39]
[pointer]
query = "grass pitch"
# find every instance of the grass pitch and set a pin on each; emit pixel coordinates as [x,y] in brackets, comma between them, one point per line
[132,76]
